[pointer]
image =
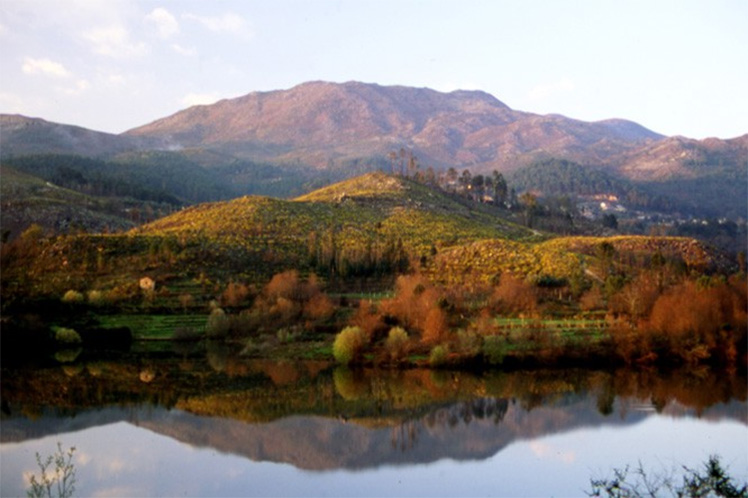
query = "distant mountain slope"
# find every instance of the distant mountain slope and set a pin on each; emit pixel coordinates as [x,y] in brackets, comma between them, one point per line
[22,135]
[27,199]
[320,122]
[286,142]
[687,158]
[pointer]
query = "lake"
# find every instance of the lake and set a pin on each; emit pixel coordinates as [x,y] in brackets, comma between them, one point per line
[194,421]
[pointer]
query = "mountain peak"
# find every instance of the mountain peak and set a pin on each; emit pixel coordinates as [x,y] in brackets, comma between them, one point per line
[318,123]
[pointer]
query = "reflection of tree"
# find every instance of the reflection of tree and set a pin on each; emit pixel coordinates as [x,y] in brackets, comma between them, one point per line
[405,435]
[217,353]
[222,384]
[493,409]
[349,385]
[606,398]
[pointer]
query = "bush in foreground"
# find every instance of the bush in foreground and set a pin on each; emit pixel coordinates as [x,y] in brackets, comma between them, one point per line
[396,343]
[60,481]
[73,296]
[66,336]
[438,356]
[349,344]
[713,480]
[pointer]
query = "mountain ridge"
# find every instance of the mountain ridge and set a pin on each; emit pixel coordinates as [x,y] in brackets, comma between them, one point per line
[446,129]
[325,132]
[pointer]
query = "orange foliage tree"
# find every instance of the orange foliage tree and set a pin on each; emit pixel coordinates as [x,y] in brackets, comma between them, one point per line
[701,321]
[417,306]
[287,298]
[514,295]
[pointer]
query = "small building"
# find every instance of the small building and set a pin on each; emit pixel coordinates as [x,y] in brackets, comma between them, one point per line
[147,284]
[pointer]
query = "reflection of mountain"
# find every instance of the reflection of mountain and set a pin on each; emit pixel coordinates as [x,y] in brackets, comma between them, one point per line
[473,430]
[463,431]
[468,430]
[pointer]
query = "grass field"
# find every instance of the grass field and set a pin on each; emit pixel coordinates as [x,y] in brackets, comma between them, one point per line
[154,327]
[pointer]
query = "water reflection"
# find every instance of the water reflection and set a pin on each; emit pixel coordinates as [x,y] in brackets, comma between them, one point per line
[319,417]
[209,422]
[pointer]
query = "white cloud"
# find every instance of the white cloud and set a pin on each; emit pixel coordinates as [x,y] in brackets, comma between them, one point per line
[545,90]
[44,66]
[230,23]
[200,99]
[80,86]
[183,50]
[114,41]
[165,22]
[546,451]
[82,458]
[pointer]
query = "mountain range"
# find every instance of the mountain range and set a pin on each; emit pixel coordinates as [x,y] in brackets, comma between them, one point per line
[287,142]
[319,123]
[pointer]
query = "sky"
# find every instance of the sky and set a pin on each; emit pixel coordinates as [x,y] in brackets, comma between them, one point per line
[678,67]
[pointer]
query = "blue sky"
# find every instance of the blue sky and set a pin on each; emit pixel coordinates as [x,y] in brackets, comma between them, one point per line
[677,67]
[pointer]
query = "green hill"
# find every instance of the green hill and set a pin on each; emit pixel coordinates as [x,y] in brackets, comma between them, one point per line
[372,226]
[365,225]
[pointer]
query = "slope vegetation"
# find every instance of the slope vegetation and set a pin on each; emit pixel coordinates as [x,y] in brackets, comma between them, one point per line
[372,226]
[352,223]
[28,199]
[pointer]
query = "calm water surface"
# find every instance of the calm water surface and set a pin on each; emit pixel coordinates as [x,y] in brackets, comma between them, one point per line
[185,424]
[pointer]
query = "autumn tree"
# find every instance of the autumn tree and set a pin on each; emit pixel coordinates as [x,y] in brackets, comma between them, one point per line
[514,295]
[417,307]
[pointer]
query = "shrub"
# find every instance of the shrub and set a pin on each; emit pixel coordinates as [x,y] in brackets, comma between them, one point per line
[514,295]
[469,341]
[713,480]
[696,323]
[285,285]
[349,344]
[284,310]
[414,304]
[438,356]
[319,307]
[636,298]
[368,319]
[435,326]
[61,479]
[396,343]
[494,349]
[66,336]
[287,298]
[122,292]
[235,294]
[72,296]
[96,297]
